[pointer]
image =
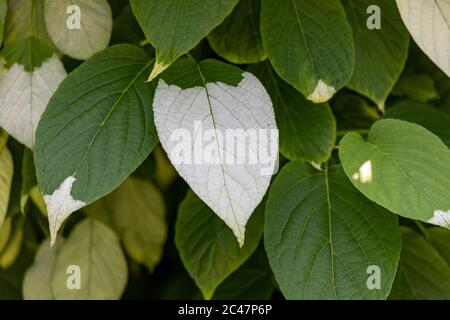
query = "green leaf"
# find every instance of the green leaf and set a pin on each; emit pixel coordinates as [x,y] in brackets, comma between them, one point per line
[429,25]
[136,211]
[380,53]
[3,10]
[238,38]
[423,272]
[28,178]
[423,114]
[252,281]
[420,87]
[11,250]
[174,27]
[6,176]
[321,236]
[309,44]
[79,28]
[97,129]
[307,130]
[199,103]
[207,246]
[403,167]
[96,251]
[31,74]
[38,278]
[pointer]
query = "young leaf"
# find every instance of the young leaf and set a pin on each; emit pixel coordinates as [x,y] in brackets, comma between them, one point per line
[37,283]
[386,48]
[174,27]
[238,38]
[31,73]
[136,212]
[321,236]
[307,130]
[429,25]
[201,110]
[420,87]
[423,114]
[6,175]
[309,44]
[3,9]
[403,167]
[207,247]
[79,28]
[423,272]
[91,255]
[11,251]
[97,129]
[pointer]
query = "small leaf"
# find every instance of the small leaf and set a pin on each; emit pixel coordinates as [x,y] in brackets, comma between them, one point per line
[6,176]
[423,273]
[321,235]
[416,86]
[174,27]
[431,118]
[207,247]
[97,129]
[30,77]
[386,48]
[11,250]
[79,28]
[309,44]
[429,25]
[218,128]
[136,211]
[28,178]
[94,250]
[238,38]
[3,10]
[307,131]
[403,167]
[38,278]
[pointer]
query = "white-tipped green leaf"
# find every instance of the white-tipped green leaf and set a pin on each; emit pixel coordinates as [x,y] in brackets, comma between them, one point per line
[324,238]
[91,255]
[307,130]
[207,247]
[97,129]
[428,22]
[238,38]
[403,167]
[6,175]
[218,128]
[174,27]
[309,44]
[37,282]
[380,53]
[424,267]
[136,211]
[31,74]
[79,28]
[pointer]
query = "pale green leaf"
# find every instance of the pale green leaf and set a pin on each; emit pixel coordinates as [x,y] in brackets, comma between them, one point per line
[12,248]
[174,27]
[79,28]
[321,236]
[238,38]
[403,167]
[380,53]
[3,10]
[136,211]
[6,176]
[207,246]
[96,251]
[97,129]
[307,130]
[309,44]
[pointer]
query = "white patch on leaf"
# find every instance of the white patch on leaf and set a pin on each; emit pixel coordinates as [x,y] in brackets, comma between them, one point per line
[322,92]
[428,21]
[60,205]
[441,218]
[231,190]
[25,95]
[158,68]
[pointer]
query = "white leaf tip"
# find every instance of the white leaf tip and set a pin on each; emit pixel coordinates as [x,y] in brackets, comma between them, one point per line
[441,218]
[322,92]
[158,68]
